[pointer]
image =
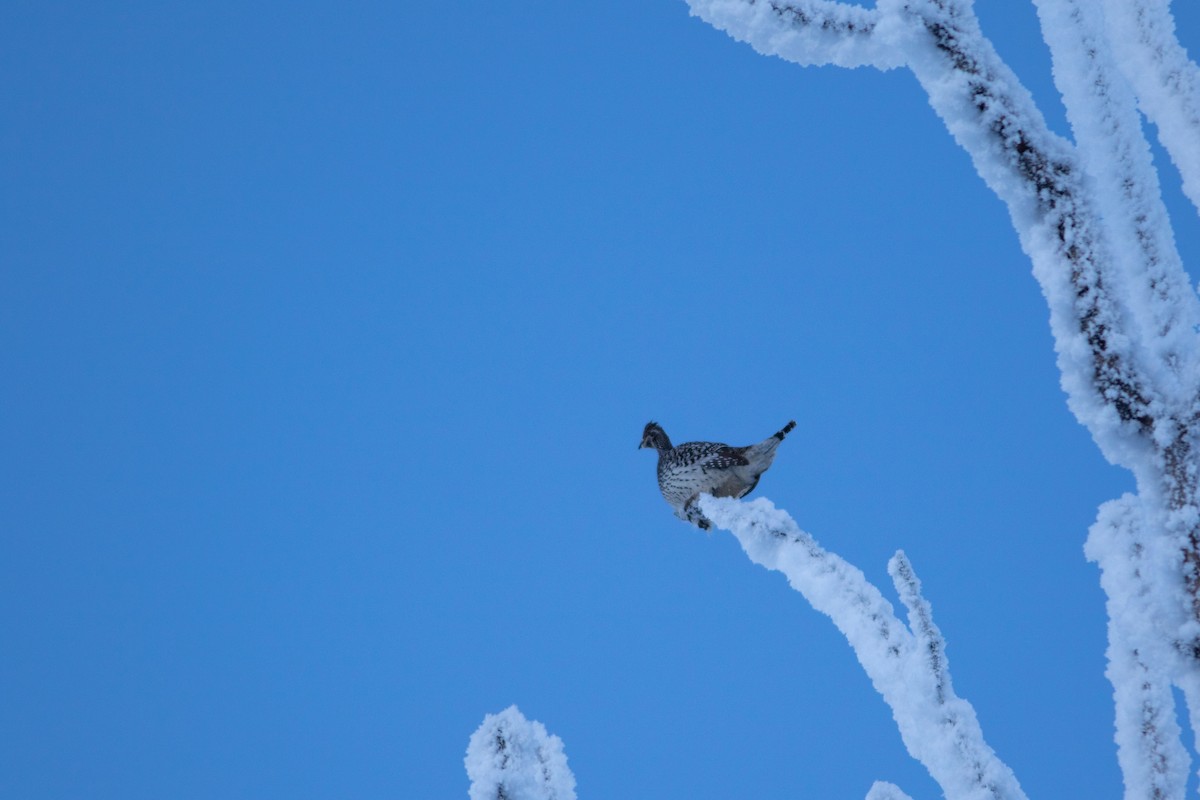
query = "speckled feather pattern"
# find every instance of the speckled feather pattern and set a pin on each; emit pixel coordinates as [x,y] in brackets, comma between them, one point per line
[693,468]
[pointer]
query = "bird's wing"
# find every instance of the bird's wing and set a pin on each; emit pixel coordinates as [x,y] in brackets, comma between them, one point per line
[698,454]
[725,457]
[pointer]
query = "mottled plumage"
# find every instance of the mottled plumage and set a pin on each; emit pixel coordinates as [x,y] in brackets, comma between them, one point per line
[693,468]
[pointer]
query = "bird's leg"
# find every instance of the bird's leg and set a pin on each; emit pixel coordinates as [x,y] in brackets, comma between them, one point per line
[692,513]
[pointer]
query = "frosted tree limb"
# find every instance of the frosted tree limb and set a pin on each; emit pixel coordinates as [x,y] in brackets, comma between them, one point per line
[1141,411]
[1149,746]
[908,668]
[1112,147]
[513,758]
[1167,82]
[882,790]
[809,32]
[1122,310]
[1035,172]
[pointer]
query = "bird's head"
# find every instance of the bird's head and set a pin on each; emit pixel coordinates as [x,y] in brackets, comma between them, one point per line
[654,436]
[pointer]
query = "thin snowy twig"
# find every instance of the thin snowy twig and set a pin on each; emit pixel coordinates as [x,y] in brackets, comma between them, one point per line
[882,790]
[920,620]
[950,729]
[1149,748]
[1166,80]
[811,32]
[513,758]
[908,668]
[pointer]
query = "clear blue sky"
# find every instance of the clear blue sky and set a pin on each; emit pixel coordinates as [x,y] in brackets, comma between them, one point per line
[328,332]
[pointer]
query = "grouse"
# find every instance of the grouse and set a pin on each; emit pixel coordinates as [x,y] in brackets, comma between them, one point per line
[686,471]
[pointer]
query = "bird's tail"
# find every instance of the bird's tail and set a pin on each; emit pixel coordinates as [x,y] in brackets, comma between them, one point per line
[759,457]
[762,454]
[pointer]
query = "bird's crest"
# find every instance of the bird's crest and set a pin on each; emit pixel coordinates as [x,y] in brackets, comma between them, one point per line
[654,436]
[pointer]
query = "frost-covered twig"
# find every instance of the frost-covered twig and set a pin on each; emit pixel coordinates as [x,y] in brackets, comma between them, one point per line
[908,668]
[882,790]
[513,758]
[1140,659]
[809,32]
[1166,80]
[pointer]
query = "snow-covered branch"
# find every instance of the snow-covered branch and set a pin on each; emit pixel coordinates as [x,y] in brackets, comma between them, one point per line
[881,790]
[513,758]
[907,667]
[1102,109]
[1036,173]
[1050,199]
[809,32]
[1140,658]
[1090,215]
[1126,324]
[1167,83]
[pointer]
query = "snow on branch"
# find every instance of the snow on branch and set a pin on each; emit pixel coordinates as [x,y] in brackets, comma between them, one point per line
[1123,313]
[1167,82]
[809,32]
[1140,658]
[1051,201]
[512,758]
[907,667]
[1148,271]
[882,790]
[1035,172]
[920,622]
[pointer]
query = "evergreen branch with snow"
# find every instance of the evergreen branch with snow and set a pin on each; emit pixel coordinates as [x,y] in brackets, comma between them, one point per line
[908,667]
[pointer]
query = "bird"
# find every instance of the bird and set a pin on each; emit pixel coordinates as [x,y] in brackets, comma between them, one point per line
[694,468]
